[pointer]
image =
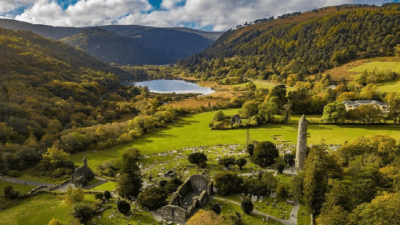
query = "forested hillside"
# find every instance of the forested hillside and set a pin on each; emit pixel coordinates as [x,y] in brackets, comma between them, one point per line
[47,87]
[135,47]
[126,44]
[301,47]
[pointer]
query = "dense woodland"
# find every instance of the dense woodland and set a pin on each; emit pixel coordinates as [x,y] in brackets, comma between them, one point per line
[300,48]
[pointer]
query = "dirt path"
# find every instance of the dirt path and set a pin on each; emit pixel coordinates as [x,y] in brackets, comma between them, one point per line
[291,221]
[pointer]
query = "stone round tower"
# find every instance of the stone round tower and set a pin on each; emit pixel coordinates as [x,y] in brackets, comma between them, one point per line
[301,147]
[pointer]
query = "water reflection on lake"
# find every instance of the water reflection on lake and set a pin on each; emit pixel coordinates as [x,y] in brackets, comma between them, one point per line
[177,86]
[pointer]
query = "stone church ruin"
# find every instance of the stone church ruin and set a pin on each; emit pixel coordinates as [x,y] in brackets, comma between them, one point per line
[192,194]
[82,175]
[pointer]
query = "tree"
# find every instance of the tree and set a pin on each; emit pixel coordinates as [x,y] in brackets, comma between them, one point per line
[215,208]
[384,208]
[228,183]
[73,195]
[227,161]
[54,154]
[334,113]
[282,191]
[130,179]
[153,198]
[54,222]
[124,207]
[265,153]
[334,215]
[219,116]
[173,184]
[268,110]
[250,108]
[279,167]
[247,206]
[107,195]
[10,193]
[197,158]
[250,149]
[241,162]
[312,185]
[82,211]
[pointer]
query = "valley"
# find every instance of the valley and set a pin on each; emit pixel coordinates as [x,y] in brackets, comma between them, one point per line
[292,120]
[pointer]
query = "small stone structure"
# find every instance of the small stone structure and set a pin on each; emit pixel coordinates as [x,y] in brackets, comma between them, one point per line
[236,119]
[192,194]
[301,148]
[82,175]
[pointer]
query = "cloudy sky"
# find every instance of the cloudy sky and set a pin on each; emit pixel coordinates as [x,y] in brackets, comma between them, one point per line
[214,15]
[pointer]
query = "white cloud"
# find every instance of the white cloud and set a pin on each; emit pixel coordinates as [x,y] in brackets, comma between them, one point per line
[7,6]
[220,14]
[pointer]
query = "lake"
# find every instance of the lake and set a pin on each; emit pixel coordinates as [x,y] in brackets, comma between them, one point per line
[177,86]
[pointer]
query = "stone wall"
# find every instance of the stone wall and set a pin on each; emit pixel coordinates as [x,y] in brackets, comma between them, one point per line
[173,212]
[199,181]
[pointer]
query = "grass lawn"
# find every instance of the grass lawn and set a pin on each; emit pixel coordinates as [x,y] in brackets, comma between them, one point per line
[394,66]
[108,186]
[23,189]
[248,219]
[392,86]
[303,219]
[38,210]
[263,207]
[193,131]
[42,208]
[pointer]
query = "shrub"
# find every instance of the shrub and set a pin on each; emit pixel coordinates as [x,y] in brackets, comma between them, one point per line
[10,193]
[282,191]
[124,207]
[247,206]
[82,211]
[197,158]
[173,184]
[107,195]
[228,183]
[54,222]
[99,196]
[13,173]
[153,198]
[216,208]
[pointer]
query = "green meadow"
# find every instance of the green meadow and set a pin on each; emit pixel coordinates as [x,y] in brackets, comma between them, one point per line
[393,86]
[394,66]
[193,131]
[23,189]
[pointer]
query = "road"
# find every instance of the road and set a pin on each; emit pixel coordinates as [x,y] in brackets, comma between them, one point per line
[27,182]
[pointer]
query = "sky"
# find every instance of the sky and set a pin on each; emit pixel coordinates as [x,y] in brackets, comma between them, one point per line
[210,15]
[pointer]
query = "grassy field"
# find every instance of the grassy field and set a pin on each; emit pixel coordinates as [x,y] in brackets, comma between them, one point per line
[23,189]
[37,210]
[394,66]
[193,131]
[303,219]
[40,209]
[109,186]
[247,219]
[393,86]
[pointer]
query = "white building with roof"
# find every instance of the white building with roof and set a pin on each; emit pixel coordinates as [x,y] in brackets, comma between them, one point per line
[384,107]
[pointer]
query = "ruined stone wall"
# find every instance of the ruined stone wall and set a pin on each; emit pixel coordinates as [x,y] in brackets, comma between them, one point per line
[203,198]
[172,212]
[199,181]
[184,188]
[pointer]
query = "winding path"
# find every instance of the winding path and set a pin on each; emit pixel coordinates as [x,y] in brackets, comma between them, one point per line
[27,182]
[291,221]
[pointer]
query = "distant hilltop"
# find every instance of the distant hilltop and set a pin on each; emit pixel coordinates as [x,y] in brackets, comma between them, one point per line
[126,44]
